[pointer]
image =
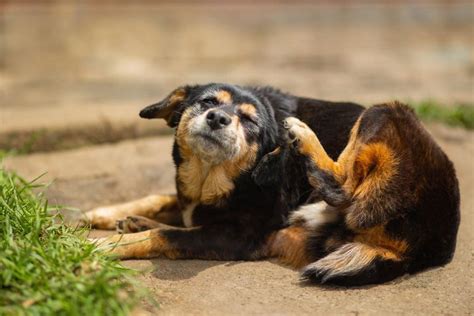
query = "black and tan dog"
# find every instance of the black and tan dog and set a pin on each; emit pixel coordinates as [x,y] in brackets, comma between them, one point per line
[387,199]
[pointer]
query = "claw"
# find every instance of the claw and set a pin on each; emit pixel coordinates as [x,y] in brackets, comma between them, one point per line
[292,140]
[119,226]
[133,219]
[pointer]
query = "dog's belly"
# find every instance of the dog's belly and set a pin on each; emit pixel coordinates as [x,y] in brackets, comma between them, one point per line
[188,214]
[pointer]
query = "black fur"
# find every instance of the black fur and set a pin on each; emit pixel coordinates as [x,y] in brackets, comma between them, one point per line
[419,205]
[237,228]
[388,205]
[403,223]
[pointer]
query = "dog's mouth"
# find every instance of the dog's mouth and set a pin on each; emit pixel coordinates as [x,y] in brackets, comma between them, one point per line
[209,138]
[213,146]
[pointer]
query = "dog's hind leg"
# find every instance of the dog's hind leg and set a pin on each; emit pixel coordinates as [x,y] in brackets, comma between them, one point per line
[359,181]
[160,208]
[288,245]
[325,175]
[356,264]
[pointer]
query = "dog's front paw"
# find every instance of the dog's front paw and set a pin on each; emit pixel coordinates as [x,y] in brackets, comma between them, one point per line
[133,224]
[300,136]
[101,217]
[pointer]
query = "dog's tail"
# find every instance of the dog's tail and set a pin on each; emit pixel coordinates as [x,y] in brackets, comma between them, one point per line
[356,264]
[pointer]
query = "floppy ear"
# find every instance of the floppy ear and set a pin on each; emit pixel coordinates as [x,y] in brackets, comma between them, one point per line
[271,132]
[269,170]
[166,108]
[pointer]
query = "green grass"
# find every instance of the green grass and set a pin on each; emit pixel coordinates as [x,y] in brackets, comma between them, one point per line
[456,115]
[47,268]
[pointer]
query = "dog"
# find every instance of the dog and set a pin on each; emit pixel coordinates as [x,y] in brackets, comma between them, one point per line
[371,197]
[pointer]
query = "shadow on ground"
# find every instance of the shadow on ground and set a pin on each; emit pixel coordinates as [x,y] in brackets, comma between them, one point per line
[177,270]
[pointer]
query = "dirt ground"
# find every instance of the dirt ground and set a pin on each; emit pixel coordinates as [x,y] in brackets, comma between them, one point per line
[93,176]
[79,66]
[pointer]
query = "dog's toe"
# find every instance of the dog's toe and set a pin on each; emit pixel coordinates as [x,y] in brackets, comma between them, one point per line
[134,224]
[120,226]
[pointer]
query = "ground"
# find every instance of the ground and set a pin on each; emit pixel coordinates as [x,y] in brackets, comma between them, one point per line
[82,71]
[93,176]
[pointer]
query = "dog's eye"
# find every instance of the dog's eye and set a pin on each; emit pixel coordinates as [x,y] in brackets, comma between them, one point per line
[210,101]
[249,118]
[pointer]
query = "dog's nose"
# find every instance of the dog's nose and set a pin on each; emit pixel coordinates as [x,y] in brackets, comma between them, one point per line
[217,119]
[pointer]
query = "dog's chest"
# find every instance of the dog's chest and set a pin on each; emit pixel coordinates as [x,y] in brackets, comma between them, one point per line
[204,184]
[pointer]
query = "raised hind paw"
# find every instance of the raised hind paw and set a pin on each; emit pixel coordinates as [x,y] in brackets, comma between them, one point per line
[300,136]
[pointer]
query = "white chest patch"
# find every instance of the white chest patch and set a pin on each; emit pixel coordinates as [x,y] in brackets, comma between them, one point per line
[188,214]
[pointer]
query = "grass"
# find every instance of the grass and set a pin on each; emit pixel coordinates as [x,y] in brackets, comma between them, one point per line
[23,142]
[47,268]
[461,115]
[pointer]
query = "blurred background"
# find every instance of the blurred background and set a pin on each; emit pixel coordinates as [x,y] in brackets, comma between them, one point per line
[77,72]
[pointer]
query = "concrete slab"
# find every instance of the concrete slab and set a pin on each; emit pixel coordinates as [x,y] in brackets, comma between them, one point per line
[92,176]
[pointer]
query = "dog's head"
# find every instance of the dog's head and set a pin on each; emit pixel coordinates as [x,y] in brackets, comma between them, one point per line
[218,122]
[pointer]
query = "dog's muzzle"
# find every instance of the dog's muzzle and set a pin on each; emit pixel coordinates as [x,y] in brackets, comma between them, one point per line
[217,119]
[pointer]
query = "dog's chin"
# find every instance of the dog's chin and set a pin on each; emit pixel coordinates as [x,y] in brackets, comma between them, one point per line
[212,149]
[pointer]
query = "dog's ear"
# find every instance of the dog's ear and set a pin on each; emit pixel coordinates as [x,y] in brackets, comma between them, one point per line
[270,169]
[166,109]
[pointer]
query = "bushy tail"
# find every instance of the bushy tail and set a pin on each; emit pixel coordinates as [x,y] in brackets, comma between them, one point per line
[355,264]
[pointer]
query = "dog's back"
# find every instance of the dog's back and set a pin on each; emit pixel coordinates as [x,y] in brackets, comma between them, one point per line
[423,190]
[397,203]
[429,191]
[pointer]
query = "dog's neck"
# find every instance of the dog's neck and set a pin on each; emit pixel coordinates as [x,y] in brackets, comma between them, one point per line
[207,183]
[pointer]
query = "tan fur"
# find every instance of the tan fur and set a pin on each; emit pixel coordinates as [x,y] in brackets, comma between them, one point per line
[276,151]
[379,160]
[352,144]
[386,246]
[105,217]
[352,257]
[173,100]
[217,185]
[144,244]
[248,109]
[201,182]
[288,245]
[375,165]
[347,157]
[363,170]
[182,132]
[223,96]
[177,96]
[209,184]
[310,146]
[347,259]
[354,164]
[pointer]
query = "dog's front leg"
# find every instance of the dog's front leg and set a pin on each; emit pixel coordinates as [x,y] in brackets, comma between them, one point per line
[162,208]
[217,242]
